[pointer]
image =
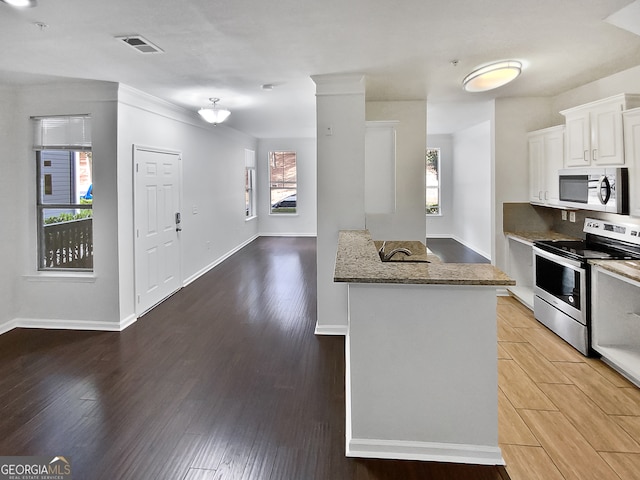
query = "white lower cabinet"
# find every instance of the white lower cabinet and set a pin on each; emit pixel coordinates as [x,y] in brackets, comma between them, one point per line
[615,321]
[520,268]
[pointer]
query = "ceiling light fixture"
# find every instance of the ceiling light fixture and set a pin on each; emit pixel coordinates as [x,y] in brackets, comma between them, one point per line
[21,3]
[493,75]
[214,114]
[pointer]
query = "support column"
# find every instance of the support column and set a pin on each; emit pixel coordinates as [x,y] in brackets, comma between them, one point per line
[340,111]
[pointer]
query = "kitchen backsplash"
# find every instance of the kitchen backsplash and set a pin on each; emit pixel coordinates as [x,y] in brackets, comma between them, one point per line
[524,217]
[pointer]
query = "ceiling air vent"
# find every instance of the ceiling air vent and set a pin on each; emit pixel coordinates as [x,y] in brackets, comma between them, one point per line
[140,44]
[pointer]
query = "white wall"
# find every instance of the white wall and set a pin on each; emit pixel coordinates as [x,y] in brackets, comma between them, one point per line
[212,200]
[304,222]
[514,118]
[213,182]
[49,299]
[340,109]
[9,210]
[408,221]
[472,187]
[627,81]
[441,226]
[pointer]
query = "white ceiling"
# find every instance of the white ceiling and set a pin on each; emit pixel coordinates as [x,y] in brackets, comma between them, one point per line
[229,48]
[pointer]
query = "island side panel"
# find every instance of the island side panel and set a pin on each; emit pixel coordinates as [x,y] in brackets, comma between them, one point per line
[422,373]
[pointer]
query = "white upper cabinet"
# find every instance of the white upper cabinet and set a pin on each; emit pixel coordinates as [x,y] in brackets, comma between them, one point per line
[631,120]
[594,133]
[546,157]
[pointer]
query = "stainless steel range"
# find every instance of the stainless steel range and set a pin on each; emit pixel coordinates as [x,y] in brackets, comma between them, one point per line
[562,291]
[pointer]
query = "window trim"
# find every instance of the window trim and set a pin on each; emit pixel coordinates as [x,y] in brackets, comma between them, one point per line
[250,177]
[438,188]
[271,210]
[41,207]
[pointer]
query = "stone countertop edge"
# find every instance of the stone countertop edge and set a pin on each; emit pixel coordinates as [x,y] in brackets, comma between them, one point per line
[534,236]
[627,268]
[357,261]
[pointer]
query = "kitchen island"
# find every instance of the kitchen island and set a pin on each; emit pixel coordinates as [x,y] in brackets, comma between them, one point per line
[421,356]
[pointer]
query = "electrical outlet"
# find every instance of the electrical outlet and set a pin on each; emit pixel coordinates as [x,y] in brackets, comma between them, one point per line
[564,214]
[572,217]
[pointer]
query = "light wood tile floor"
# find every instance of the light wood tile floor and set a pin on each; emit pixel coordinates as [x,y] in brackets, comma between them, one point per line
[561,415]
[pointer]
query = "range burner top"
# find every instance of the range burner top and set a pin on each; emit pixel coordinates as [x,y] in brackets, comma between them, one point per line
[581,250]
[604,241]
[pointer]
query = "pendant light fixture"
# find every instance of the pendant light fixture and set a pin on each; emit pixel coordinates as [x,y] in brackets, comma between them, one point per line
[214,114]
[493,75]
[20,3]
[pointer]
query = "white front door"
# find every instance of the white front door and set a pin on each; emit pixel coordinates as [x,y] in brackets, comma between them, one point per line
[157,236]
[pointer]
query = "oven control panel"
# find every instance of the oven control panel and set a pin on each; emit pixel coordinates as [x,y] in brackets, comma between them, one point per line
[620,231]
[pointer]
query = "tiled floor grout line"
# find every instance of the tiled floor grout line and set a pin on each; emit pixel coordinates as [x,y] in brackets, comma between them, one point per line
[561,365]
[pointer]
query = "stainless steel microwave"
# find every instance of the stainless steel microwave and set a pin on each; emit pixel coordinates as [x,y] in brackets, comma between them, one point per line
[600,189]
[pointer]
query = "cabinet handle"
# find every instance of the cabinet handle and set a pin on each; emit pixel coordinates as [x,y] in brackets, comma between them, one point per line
[539,194]
[546,195]
[595,154]
[585,156]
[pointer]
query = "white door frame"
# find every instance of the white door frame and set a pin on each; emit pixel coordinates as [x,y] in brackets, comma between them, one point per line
[137,148]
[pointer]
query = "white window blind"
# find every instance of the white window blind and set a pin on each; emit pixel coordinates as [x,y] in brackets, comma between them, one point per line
[249,158]
[69,132]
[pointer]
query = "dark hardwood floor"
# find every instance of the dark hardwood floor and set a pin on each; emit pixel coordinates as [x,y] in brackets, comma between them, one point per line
[452,251]
[224,380]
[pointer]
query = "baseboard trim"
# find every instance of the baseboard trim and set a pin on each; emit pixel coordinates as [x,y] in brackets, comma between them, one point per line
[293,234]
[331,330]
[7,326]
[127,322]
[424,451]
[58,324]
[502,292]
[459,240]
[216,262]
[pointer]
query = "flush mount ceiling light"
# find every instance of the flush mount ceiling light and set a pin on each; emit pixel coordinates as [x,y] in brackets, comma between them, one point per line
[214,114]
[20,3]
[493,75]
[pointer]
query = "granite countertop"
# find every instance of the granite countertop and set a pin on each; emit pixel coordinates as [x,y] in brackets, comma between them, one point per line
[626,268]
[357,261]
[534,236]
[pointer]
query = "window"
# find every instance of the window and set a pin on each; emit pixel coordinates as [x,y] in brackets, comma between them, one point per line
[283,182]
[249,183]
[64,193]
[433,181]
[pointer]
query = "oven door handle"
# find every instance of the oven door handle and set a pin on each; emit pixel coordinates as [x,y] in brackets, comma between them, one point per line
[567,262]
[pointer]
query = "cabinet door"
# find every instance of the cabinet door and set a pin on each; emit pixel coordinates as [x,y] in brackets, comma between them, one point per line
[536,158]
[578,146]
[607,145]
[632,155]
[553,161]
